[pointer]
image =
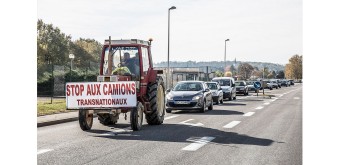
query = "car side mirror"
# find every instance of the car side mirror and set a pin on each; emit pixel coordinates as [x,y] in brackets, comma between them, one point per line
[168,90]
[207,90]
[233,85]
[220,89]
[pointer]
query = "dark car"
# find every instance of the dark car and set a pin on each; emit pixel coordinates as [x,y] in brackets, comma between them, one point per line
[291,82]
[189,95]
[217,93]
[285,83]
[251,86]
[279,82]
[241,87]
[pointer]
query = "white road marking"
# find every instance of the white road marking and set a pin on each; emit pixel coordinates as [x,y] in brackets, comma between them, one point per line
[274,99]
[170,117]
[117,131]
[296,98]
[43,151]
[191,124]
[232,124]
[260,107]
[198,143]
[266,103]
[249,114]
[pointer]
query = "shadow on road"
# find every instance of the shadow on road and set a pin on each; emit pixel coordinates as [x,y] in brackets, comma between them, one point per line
[183,133]
[208,112]
[231,103]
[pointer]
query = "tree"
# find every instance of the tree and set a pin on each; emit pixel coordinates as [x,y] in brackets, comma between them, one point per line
[245,70]
[280,74]
[219,73]
[227,74]
[294,69]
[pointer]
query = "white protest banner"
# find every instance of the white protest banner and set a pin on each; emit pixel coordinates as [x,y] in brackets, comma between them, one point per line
[100,95]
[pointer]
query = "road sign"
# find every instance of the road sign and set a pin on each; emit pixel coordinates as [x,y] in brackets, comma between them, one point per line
[257,85]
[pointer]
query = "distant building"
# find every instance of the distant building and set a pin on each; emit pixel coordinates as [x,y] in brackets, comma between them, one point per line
[187,74]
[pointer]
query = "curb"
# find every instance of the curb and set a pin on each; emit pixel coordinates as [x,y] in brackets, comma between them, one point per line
[53,122]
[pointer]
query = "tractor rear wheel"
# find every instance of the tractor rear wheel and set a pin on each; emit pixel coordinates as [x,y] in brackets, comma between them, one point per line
[137,117]
[85,119]
[155,93]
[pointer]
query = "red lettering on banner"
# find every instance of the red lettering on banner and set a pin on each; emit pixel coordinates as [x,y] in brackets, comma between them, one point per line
[133,88]
[110,90]
[72,86]
[78,101]
[68,92]
[98,89]
[128,89]
[77,90]
[105,92]
[123,89]
[81,89]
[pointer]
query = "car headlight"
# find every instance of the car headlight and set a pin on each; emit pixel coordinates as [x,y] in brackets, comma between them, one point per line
[169,97]
[197,97]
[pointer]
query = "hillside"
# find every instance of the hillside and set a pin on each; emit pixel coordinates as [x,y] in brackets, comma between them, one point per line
[220,64]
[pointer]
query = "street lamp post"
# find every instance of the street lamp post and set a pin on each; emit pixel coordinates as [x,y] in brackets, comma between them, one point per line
[168,71]
[71,56]
[225,55]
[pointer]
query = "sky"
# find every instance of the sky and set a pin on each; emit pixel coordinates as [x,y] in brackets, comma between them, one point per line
[259,30]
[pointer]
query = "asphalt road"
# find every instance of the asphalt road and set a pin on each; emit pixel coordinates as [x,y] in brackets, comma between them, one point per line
[249,130]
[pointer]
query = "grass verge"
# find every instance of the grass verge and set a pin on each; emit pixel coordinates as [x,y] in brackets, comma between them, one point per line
[44,107]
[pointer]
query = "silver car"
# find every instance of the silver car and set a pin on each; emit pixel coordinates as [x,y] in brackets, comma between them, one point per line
[217,92]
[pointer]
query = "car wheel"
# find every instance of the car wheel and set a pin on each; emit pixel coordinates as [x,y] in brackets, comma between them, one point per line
[202,109]
[221,101]
[230,98]
[168,110]
[211,105]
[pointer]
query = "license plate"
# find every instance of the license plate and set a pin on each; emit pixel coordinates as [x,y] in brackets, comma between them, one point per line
[182,102]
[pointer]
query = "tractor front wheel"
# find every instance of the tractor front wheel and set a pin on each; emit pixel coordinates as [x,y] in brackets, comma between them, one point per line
[155,93]
[137,117]
[85,119]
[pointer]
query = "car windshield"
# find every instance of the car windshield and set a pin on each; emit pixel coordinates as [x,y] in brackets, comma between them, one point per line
[250,82]
[212,86]
[222,82]
[188,86]
[239,83]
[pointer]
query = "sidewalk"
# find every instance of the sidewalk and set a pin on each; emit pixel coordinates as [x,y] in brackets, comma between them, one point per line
[57,118]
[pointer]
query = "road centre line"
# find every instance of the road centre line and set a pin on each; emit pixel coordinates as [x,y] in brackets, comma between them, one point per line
[191,124]
[186,121]
[260,107]
[232,124]
[198,143]
[266,103]
[43,151]
[249,114]
[170,117]
[296,98]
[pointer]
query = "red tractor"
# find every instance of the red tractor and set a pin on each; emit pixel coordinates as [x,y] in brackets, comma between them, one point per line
[126,82]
